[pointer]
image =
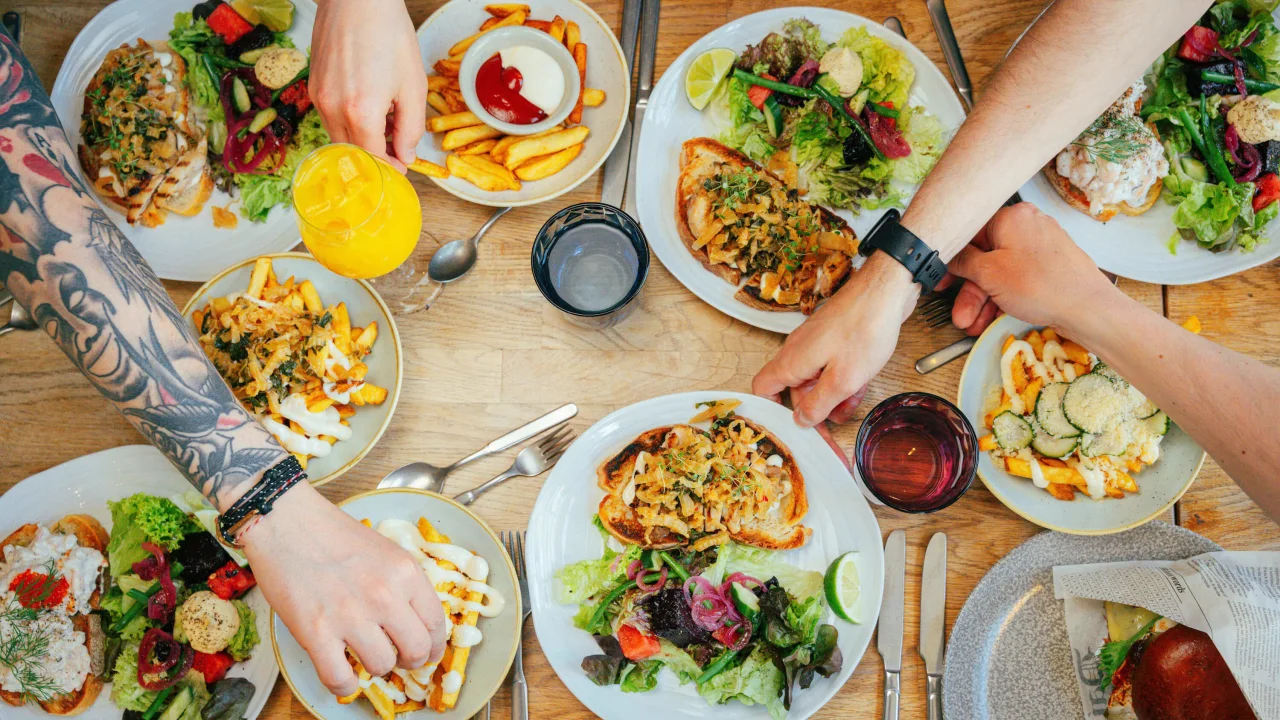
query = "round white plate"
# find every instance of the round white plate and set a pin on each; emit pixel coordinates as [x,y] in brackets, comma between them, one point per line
[1138,247]
[561,532]
[84,485]
[1159,486]
[489,661]
[386,363]
[606,70]
[183,248]
[671,120]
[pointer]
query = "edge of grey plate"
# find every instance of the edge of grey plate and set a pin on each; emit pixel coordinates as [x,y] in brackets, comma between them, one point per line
[1008,657]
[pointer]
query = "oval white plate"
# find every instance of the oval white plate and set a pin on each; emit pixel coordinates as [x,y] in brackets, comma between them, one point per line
[606,70]
[84,485]
[183,248]
[561,532]
[386,364]
[1159,486]
[489,661]
[671,120]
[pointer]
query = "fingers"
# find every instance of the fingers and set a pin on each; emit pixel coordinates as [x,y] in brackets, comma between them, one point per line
[367,122]
[372,648]
[410,120]
[775,377]
[825,432]
[834,387]
[431,614]
[985,317]
[330,658]
[947,281]
[408,631]
[969,303]
[845,411]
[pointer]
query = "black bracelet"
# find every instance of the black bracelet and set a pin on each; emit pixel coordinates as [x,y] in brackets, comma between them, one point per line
[258,501]
[902,245]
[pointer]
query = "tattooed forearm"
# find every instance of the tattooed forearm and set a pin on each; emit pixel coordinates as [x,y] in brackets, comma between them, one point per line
[87,286]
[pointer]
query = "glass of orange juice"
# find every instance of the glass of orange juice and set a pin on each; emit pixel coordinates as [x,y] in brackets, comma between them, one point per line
[362,219]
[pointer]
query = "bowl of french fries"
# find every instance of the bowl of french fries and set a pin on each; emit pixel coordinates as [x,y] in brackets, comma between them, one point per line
[469,673]
[483,164]
[313,356]
[1127,502]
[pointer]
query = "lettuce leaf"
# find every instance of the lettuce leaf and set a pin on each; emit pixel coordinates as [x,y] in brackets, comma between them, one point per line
[757,681]
[886,71]
[260,193]
[125,690]
[742,125]
[141,518]
[1211,211]
[677,661]
[116,602]
[762,565]
[923,132]
[641,676]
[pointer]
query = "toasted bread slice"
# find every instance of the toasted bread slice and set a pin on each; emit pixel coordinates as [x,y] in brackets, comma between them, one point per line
[1076,198]
[781,529]
[89,533]
[613,475]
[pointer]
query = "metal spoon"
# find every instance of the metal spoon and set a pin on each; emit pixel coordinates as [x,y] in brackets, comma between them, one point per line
[456,258]
[19,319]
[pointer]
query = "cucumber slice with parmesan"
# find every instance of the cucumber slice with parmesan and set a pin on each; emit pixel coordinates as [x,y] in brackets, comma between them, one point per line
[1142,407]
[1012,432]
[1095,404]
[1107,372]
[1112,442]
[1158,423]
[1049,412]
[1054,447]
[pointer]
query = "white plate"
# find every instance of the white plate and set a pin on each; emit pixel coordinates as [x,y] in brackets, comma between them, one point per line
[84,485]
[671,120]
[183,248]
[1159,486]
[606,70]
[1138,247]
[386,363]
[489,661]
[561,532]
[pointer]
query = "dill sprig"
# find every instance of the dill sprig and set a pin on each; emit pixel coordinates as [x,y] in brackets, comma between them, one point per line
[24,647]
[1116,137]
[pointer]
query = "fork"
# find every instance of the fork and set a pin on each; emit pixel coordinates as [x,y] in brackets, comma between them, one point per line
[514,543]
[936,309]
[533,460]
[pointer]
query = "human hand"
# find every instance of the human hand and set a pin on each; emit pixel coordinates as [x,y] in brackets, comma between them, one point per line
[838,349]
[365,65]
[1027,264]
[336,583]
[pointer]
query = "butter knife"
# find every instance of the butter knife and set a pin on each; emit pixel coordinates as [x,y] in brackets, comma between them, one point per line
[647,50]
[951,50]
[889,631]
[933,621]
[616,166]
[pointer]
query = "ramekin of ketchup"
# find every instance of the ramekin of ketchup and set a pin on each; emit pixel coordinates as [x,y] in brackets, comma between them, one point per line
[519,80]
[498,89]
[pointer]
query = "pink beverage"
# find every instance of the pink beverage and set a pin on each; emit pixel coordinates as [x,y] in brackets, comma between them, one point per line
[916,452]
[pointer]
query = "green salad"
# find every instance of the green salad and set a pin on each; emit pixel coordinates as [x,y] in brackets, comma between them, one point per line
[833,119]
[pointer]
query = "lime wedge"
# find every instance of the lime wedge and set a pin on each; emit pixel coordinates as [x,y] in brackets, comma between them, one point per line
[277,15]
[705,75]
[844,589]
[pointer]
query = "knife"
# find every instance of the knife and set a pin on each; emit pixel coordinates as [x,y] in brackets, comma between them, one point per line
[889,631]
[933,620]
[616,165]
[648,51]
[951,50]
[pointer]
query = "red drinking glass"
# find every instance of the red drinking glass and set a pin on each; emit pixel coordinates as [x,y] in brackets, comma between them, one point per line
[916,452]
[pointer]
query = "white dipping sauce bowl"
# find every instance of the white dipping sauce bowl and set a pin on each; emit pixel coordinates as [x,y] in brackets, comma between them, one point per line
[487,45]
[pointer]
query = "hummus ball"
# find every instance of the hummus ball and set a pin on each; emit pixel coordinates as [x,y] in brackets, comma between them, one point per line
[208,621]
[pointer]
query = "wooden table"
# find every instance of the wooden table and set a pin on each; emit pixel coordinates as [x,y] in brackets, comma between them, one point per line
[492,354]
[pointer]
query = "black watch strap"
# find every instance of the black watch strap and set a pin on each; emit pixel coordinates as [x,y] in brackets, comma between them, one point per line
[899,243]
[258,501]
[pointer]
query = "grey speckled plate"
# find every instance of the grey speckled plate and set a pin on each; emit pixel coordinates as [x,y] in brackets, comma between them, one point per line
[1009,657]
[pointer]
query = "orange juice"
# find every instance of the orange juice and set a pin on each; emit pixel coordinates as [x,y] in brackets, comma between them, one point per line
[357,215]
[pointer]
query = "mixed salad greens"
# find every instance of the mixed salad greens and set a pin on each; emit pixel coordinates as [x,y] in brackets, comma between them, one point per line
[1211,97]
[258,133]
[837,116]
[708,617]
[170,577]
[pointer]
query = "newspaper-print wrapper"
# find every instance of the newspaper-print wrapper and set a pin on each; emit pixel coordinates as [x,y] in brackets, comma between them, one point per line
[1234,597]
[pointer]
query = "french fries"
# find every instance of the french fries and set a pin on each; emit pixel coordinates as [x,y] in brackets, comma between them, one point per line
[276,349]
[484,156]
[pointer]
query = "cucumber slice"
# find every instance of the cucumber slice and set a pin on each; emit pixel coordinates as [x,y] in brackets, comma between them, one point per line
[1107,372]
[1112,442]
[1054,447]
[1158,423]
[1012,432]
[1095,404]
[1049,412]
[1142,407]
[179,704]
[746,602]
[1195,169]
[773,115]
[240,95]
[262,120]
[651,560]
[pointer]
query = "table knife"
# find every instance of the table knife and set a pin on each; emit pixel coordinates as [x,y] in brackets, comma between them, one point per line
[895,25]
[889,631]
[647,52]
[951,50]
[616,166]
[933,620]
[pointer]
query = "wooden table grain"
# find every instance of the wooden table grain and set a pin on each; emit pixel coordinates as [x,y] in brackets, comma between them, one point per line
[492,354]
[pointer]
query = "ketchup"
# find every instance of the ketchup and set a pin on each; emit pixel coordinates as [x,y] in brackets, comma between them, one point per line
[498,90]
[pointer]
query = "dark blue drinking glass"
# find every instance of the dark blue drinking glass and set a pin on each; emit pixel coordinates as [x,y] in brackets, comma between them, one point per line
[590,261]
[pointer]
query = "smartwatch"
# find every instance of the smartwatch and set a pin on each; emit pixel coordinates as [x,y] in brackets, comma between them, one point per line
[258,501]
[899,243]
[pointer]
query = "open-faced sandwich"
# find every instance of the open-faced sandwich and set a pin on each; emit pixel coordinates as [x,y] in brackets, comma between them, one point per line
[52,645]
[741,221]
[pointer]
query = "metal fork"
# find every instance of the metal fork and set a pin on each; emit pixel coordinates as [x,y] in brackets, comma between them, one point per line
[935,310]
[533,460]
[514,543]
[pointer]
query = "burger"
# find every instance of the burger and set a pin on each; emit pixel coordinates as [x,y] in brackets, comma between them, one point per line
[1160,670]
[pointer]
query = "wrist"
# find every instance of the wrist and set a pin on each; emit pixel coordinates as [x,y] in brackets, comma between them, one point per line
[886,275]
[287,504]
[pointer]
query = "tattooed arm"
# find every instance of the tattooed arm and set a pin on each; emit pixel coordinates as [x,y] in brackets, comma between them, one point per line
[333,581]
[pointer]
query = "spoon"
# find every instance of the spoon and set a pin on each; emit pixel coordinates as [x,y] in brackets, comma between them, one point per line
[19,319]
[456,258]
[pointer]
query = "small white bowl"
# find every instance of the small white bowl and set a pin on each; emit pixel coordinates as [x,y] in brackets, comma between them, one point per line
[489,44]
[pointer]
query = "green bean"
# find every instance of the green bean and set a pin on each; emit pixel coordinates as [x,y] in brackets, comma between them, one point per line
[718,666]
[1256,86]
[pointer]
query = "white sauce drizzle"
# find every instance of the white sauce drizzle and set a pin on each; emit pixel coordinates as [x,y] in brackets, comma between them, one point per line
[451,682]
[471,574]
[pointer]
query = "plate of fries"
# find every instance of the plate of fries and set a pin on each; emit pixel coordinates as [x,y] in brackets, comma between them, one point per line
[1128,502]
[424,518]
[483,165]
[314,356]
